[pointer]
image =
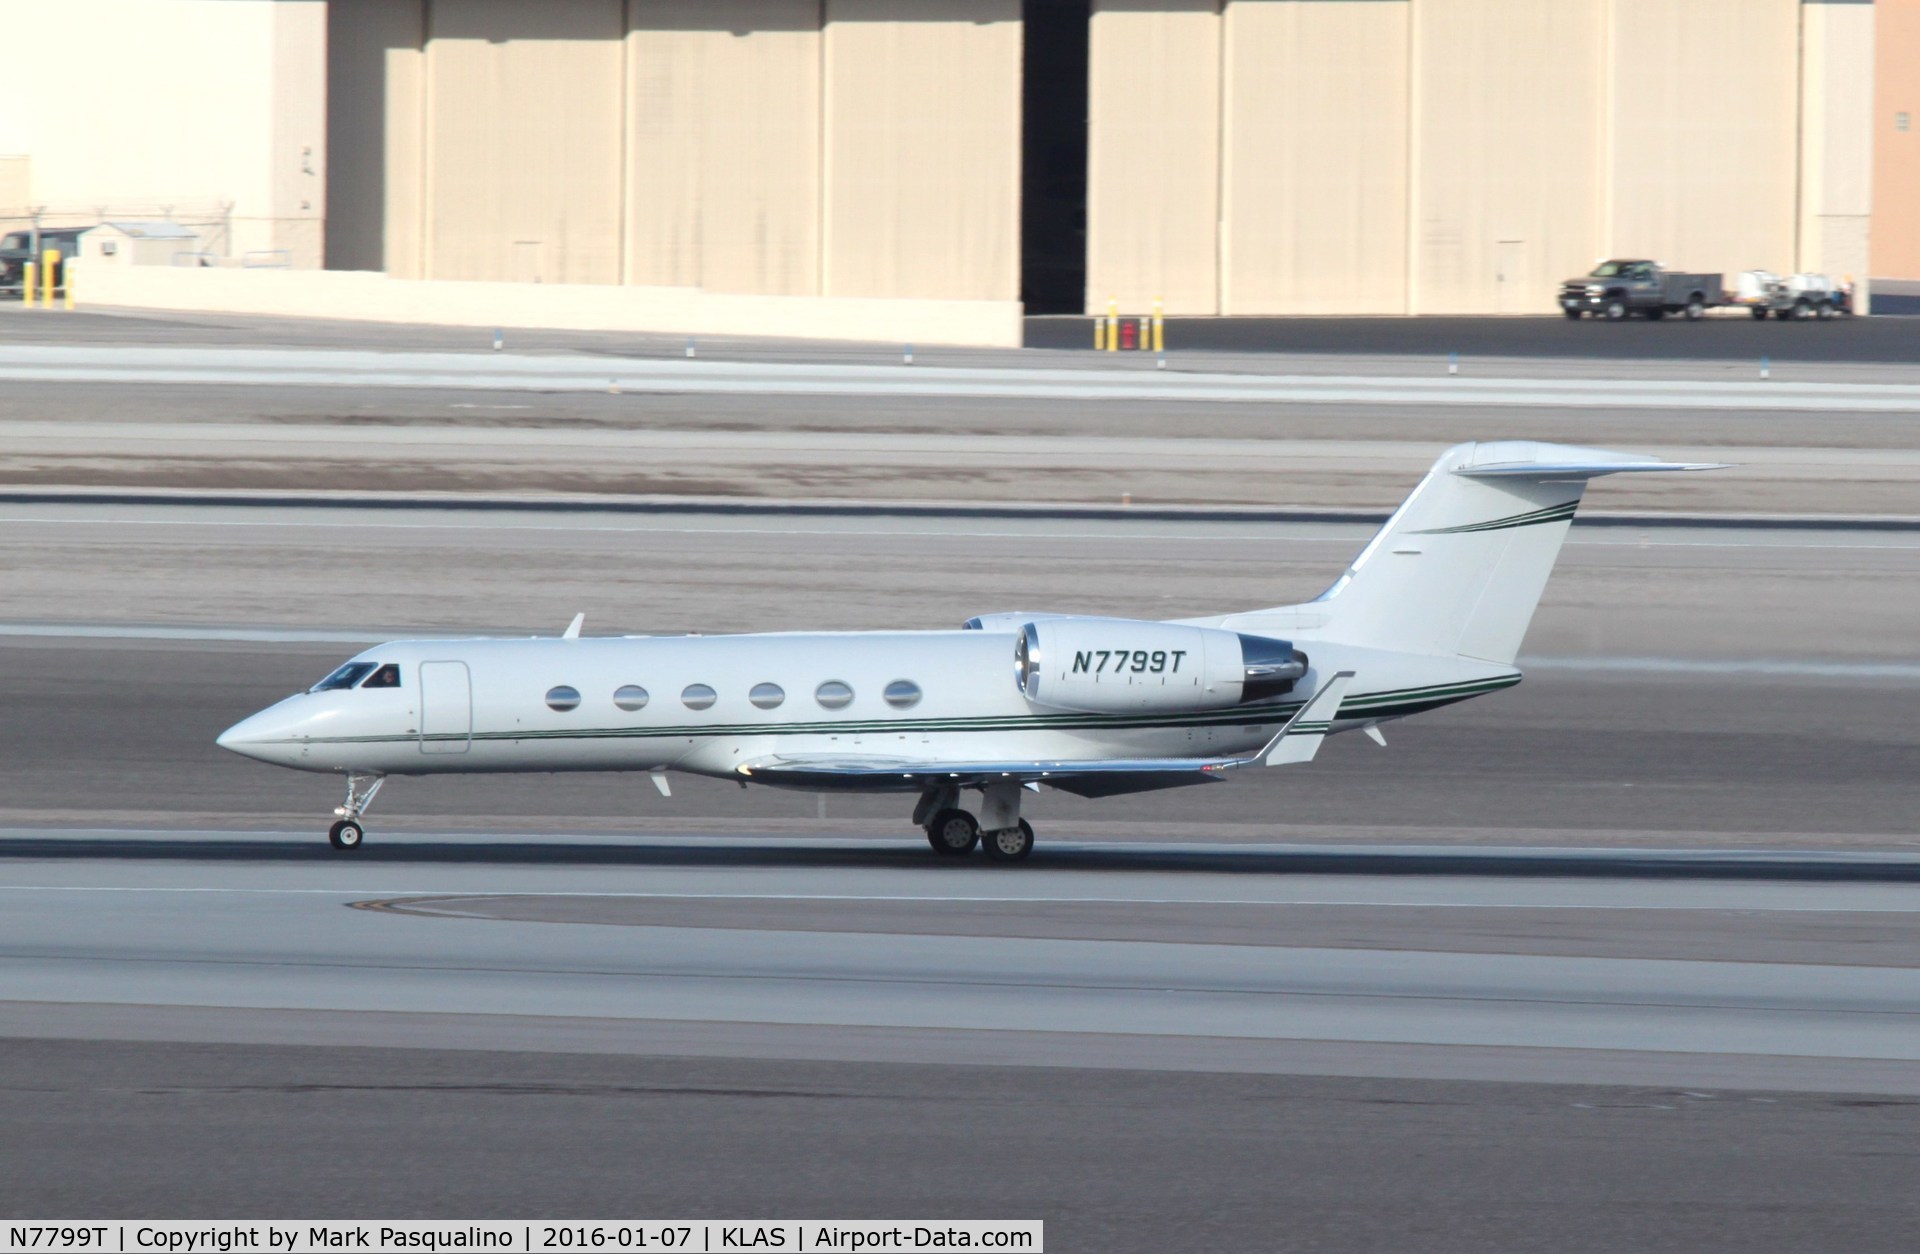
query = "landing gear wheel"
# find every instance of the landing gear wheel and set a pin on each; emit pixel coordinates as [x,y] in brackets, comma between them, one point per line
[1010,845]
[953,833]
[346,834]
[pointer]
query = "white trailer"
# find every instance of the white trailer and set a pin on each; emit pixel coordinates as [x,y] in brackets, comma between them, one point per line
[1797,296]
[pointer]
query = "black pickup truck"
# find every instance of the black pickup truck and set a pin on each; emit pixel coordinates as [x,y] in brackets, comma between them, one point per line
[1618,288]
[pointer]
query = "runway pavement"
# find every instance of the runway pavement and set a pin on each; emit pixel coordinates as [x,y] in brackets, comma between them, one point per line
[1621,959]
[1752,596]
[1249,1057]
[1853,343]
[248,404]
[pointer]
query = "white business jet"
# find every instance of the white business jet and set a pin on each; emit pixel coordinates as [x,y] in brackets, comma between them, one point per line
[1431,612]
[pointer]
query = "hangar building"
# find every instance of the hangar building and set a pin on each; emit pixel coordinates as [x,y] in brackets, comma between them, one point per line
[1225,156]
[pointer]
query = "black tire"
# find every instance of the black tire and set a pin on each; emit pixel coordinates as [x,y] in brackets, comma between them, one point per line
[1802,311]
[1759,313]
[347,835]
[1656,313]
[1616,310]
[1826,312]
[1782,314]
[953,833]
[1012,845]
[1696,308]
[1572,315]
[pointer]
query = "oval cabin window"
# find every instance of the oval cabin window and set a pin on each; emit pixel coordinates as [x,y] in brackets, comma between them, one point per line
[834,695]
[902,694]
[698,697]
[767,696]
[563,698]
[630,697]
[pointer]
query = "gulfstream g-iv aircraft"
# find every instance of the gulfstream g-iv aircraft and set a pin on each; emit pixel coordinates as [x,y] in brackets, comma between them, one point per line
[1431,612]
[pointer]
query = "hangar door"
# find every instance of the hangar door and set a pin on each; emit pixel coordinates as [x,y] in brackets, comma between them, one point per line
[446,707]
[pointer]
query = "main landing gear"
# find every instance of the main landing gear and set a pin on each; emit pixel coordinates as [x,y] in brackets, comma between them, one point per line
[953,833]
[347,832]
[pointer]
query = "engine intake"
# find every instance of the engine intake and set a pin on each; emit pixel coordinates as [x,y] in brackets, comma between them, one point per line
[1110,665]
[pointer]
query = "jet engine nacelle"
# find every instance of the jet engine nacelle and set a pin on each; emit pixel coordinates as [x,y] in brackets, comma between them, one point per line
[1111,665]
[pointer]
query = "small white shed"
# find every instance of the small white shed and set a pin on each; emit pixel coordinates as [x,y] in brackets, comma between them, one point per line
[137,243]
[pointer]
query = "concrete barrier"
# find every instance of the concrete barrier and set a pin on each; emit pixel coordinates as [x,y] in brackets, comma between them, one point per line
[374,297]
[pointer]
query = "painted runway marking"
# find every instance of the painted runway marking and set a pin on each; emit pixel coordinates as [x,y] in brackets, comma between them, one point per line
[915,899]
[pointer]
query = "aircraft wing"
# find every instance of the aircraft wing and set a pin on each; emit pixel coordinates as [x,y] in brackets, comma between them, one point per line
[1296,742]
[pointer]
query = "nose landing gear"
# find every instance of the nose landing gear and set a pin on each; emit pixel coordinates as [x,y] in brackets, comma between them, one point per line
[347,832]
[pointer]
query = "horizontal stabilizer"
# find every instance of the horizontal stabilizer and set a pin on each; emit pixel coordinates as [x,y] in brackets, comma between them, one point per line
[1579,470]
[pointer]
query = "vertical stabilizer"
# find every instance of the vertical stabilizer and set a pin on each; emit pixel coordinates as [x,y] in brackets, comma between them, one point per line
[1459,567]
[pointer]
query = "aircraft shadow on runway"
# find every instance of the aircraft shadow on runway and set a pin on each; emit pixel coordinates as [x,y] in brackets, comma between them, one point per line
[722,853]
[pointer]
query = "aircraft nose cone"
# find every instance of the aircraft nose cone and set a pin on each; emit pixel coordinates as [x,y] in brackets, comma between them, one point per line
[265,737]
[243,737]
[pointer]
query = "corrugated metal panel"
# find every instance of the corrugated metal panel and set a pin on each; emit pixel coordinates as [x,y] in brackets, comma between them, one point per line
[1153,167]
[922,149]
[406,155]
[1703,121]
[1836,136]
[1896,152]
[1315,148]
[724,145]
[524,140]
[373,133]
[16,183]
[1506,150]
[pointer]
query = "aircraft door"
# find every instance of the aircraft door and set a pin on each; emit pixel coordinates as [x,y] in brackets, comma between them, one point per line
[446,707]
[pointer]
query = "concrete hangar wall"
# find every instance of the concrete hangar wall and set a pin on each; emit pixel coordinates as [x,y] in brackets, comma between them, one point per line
[784,147]
[1238,156]
[1459,156]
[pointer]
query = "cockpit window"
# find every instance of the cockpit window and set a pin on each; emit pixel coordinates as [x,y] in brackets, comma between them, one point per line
[387,676]
[346,677]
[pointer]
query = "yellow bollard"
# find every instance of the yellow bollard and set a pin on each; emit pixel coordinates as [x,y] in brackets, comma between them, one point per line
[1113,325]
[1159,327]
[29,283]
[49,263]
[1099,333]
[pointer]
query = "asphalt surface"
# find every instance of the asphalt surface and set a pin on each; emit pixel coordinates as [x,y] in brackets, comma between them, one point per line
[1855,341]
[1724,337]
[1620,959]
[1772,600]
[207,1031]
[1121,1161]
[226,404]
[1568,758]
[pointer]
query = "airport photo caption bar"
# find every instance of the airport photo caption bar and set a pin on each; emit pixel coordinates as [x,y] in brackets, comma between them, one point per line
[286,1236]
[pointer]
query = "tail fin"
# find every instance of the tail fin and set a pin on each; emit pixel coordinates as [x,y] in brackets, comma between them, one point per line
[1459,567]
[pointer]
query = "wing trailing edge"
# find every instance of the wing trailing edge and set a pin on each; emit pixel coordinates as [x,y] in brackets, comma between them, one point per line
[1296,742]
